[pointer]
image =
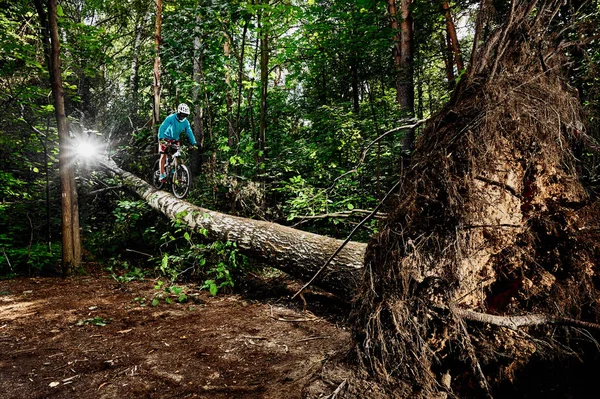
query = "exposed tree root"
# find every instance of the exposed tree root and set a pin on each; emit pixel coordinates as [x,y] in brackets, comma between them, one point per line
[492,220]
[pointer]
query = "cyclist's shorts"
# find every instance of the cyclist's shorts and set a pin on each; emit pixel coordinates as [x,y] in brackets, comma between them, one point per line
[165,144]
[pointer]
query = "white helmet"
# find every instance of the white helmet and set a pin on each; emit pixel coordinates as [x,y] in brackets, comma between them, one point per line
[183,109]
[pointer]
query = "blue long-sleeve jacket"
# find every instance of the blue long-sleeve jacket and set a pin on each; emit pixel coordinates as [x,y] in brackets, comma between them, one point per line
[171,128]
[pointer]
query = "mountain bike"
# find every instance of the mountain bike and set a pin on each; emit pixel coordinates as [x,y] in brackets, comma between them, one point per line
[178,175]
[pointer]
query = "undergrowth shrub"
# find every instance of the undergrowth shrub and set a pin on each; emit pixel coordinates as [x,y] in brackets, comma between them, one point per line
[215,264]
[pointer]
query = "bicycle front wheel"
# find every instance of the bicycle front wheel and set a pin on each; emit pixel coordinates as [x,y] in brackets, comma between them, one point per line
[182,180]
[156,176]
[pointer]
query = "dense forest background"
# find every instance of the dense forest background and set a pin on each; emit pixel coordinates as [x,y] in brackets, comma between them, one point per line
[296,105]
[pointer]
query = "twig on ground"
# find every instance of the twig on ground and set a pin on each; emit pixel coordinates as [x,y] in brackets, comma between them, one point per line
[293,320]
[312,339]
[335,393]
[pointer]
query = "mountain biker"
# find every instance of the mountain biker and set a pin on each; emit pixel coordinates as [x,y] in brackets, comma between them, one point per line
[169,132]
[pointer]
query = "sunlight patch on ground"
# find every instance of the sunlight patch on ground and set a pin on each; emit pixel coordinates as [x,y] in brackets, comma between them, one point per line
[11,310]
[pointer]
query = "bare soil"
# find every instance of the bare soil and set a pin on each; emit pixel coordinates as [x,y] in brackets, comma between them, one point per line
[251,344]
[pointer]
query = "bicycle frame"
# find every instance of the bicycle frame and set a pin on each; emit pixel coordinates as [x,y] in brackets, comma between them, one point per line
[172,159]
[178,175]
[171,162]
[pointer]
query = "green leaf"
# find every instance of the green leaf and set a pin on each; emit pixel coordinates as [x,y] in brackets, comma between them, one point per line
[186,236]
[176,290]
[155,302]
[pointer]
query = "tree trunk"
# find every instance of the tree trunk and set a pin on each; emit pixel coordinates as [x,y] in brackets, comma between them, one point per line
[231,133]
[240,78]
[298,253]
[195,157]
[355,83]
[264,81]
[157,43]
[406,88]
[135,59]
[45,37]
[452,36]
[396,51]
[407,91]
[446,50]
[71,251]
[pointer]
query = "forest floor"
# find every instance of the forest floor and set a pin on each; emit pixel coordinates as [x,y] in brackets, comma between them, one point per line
[93,337]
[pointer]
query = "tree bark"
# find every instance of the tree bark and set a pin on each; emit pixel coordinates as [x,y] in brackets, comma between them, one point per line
[407,91]
[240,78]
[298,253]
[71,251]
[446,49]
[264,81]
[157,43]
[135,59]
[231,133]
[197,77]
[396,50]
[453,37]
[406,88]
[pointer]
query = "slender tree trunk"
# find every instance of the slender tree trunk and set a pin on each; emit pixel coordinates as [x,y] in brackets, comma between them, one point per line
[447,55]
[195,159]
[355,84]
[406,96]
[231,139]
[407,89]
[264,80]
[240,78]
[396,50]
[45,37]
[453,37]
[135,59]
[71,251]
[298,253]
[157,43]
[250,107]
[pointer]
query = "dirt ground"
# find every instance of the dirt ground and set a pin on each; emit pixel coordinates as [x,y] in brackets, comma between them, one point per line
[92,337]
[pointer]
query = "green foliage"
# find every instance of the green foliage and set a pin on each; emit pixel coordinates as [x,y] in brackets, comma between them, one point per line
[215,263]
[131,224]
[304,198]
[30,261]
[168,293]
[123,272]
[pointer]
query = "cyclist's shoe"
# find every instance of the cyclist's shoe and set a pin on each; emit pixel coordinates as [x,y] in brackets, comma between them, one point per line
[163,178]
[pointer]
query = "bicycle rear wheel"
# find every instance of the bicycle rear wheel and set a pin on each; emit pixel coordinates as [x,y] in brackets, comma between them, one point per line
[182,180]
[156,176]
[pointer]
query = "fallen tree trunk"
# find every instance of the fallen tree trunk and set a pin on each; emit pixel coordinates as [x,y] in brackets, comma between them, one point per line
[298,253]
